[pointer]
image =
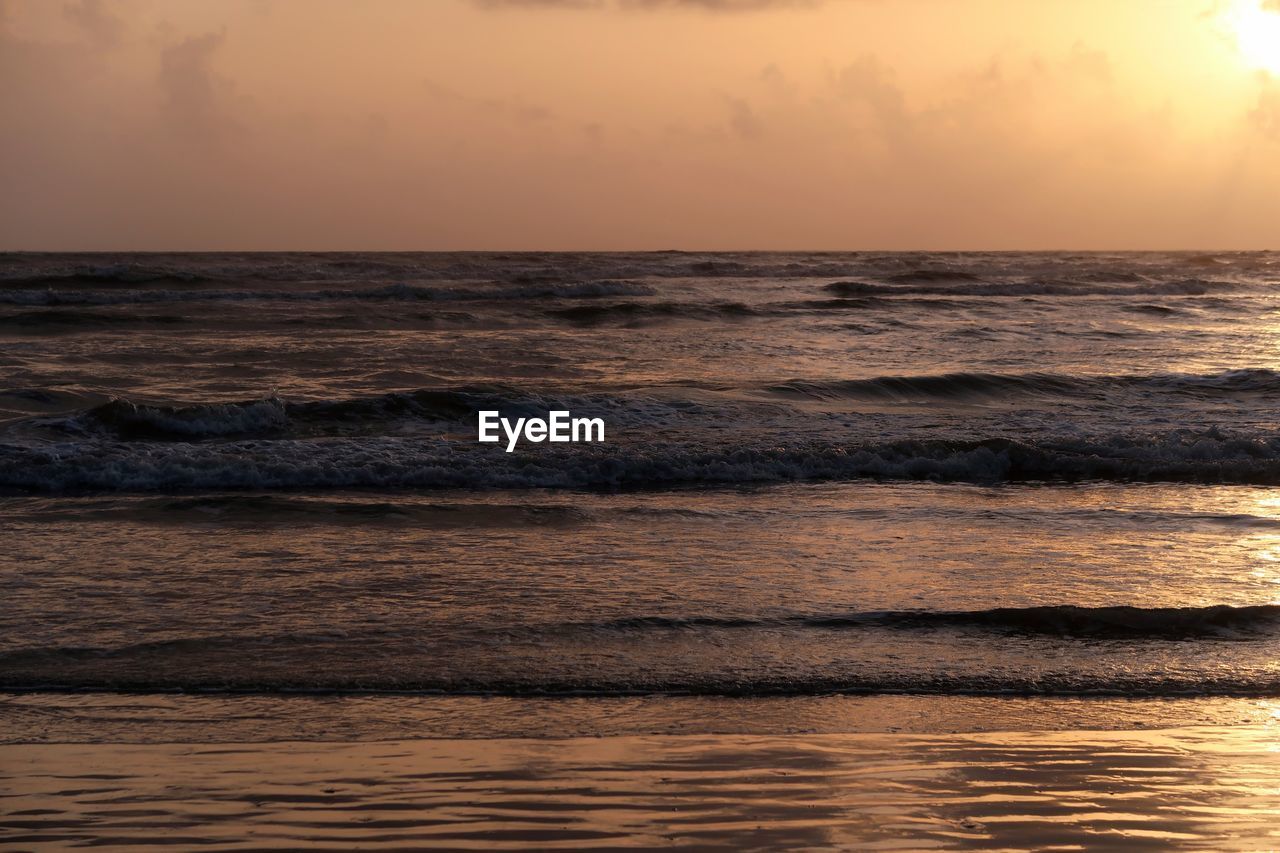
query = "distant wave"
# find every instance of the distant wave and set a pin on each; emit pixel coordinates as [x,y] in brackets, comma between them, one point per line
[640,312]
[952,285]
[19,270]
[380,293]
[123,274]
[1204,261]
[115,269]
[393,292]
[934,275]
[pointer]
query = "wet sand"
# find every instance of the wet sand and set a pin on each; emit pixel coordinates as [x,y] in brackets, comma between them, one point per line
[1208,787]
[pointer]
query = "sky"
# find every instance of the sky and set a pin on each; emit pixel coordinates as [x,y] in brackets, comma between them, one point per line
[639,124]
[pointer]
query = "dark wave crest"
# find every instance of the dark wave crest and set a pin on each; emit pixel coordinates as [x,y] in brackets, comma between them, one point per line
[54,320]
[1123,622]
[131,420]
[975,385]
[388,462]
[636,313]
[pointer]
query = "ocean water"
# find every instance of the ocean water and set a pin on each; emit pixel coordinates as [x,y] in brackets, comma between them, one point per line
[940,474]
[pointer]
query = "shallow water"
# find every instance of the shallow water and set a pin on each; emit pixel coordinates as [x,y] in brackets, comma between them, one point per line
[791,589]
[1188,789]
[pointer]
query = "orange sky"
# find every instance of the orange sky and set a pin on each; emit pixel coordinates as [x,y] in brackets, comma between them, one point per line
[639,124]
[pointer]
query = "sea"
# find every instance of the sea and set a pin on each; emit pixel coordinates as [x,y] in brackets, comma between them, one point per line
[949,475]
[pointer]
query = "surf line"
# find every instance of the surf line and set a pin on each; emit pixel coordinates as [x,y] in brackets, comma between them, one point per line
[558,426]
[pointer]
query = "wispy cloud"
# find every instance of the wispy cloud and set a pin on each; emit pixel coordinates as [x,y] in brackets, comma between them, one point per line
[97,21]
[194,92]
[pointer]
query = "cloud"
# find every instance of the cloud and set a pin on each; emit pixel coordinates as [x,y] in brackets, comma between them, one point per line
[93,17]
[194,93]
[538,4]
[1266,116]
[743,120]
[515,109]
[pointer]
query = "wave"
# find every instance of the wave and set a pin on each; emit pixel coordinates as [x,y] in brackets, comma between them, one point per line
[929,303]
[970,286]
[576,290]
[1181,456]
[53,320]
[133,420]
[111,269]
[950,386]
[447,408]
[657,406]
[268,417]
[1122,622]
[18,269]
[1153,309]
[398,292]
[92,673]
[124,274]
[927,276]
[974,386]
[257,510]
[645,312]
[1204,261]
[464,660]
[1058,685]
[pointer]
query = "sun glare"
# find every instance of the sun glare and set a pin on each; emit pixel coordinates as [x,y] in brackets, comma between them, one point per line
[1257,32]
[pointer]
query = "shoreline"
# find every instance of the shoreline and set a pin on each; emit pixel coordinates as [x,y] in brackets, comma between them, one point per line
[1207,787]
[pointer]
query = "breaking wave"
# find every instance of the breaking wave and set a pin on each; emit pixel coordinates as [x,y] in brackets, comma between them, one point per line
[132,420]
[1183,456]
[274,417]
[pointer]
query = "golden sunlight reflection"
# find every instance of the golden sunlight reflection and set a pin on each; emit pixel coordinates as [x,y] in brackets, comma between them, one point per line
[1266,548]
